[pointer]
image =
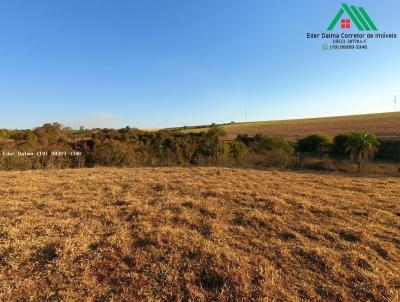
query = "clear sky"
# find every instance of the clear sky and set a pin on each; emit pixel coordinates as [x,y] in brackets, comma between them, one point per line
[148,63]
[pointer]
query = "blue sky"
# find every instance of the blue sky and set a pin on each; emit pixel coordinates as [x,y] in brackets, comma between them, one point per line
[152,64]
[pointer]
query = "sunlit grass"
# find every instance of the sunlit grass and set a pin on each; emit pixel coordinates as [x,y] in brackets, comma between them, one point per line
[202,234]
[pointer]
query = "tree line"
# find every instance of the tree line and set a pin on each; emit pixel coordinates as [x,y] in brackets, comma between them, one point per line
[133,147]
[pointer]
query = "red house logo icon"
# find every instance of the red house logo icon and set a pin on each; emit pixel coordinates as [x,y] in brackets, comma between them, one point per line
[345,23]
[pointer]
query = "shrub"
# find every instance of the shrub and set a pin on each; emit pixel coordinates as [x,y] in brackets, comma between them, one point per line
[112,153]
[339,144]
[238,150]
[15,163]
[389,150]
[263,144]
[278,158]
[255,159]
[313,143]
[247,140]
[23,135]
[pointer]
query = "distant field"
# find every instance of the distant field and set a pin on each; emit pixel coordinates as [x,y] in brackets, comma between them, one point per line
[384,125]
[202,234]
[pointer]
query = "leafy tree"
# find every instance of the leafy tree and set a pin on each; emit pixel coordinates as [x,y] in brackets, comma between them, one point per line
[23,135]
[238,150]
[51,134]
[361,146]
[263,144]
[112,153]
[313,143]
[215,135]
[339,144]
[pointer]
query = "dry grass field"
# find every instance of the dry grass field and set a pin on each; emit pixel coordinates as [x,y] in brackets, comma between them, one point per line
[201,234]
[384,125]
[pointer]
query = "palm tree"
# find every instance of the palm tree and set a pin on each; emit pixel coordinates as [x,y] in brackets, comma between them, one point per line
[361,146]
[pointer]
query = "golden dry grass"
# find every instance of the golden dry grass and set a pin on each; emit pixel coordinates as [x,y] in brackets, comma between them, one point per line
[202,234]
[384,125]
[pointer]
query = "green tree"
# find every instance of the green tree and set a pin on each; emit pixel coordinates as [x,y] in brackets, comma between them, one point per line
[361,147]
[216,135]
[339,144]
[263,144]
[313,143]
[112,153]
[238,150]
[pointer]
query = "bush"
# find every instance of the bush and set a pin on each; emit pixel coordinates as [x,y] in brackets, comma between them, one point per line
[244,138]
[314,143]
[389,150]
[339,144]
[272,143]
[238,150]
[255,159]
[112,153]
[20,163]
[278,159]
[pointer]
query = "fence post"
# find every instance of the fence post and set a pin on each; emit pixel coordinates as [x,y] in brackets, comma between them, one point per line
[298,160]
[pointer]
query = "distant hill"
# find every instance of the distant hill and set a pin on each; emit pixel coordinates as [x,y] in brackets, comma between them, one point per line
[384,125]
